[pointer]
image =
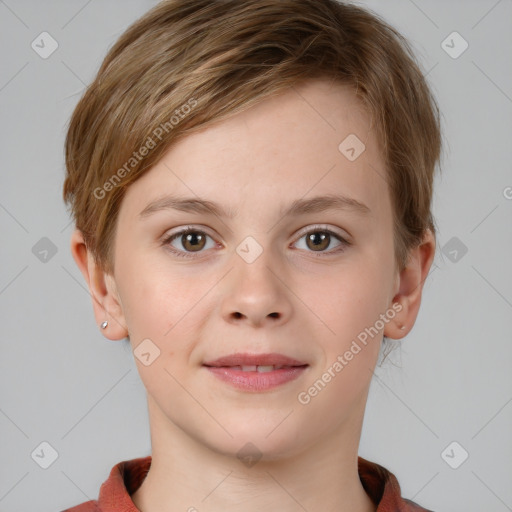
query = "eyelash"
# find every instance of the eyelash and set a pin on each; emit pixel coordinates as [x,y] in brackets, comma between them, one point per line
[184,254]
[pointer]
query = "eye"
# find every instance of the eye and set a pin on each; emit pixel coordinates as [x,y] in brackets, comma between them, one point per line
[192,240]
[318,239]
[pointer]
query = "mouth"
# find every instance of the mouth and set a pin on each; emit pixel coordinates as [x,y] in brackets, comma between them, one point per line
[256,372]
[245,360]
[257,368]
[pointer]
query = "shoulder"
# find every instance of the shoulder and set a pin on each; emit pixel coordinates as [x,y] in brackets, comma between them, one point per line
[115,492]
[414,507]
[383,488]
[86,506]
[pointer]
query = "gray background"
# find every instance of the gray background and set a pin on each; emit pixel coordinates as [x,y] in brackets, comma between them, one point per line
[64,384]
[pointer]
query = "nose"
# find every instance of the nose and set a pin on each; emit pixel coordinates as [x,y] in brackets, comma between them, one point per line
[256,294]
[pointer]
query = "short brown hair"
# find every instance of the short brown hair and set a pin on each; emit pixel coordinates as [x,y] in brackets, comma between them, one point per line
[198,61]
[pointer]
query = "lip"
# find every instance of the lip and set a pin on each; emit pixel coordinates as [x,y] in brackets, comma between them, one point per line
[254,381]
[245,359]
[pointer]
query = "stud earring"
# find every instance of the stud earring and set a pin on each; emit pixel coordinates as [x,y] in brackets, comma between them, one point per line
[104,324]
[402,328]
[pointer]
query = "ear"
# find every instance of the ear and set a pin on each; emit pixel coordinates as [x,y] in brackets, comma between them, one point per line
[409,287]
[105,299]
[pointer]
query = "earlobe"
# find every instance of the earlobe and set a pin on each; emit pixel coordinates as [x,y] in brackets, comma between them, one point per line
[398,328]
[105,301]
[411,281]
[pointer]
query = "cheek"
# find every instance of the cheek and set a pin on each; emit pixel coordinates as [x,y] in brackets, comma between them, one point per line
[351,298]
[154,298]
[350,305]
[166,307]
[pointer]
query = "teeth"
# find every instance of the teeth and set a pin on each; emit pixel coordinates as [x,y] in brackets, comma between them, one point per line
[258,368]
[262,369]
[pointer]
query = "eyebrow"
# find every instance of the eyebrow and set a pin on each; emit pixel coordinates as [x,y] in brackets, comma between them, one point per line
[298,207]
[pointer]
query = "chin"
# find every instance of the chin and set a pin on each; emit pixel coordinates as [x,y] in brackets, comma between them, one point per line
[258,440]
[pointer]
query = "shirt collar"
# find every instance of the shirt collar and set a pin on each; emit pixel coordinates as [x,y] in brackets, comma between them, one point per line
[126,477]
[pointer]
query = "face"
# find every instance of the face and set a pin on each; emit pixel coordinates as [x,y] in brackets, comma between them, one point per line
[304,284]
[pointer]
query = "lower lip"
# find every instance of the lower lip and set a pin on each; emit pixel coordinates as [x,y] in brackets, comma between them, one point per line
[256,381]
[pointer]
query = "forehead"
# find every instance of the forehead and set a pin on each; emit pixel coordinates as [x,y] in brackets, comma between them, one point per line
[293,145]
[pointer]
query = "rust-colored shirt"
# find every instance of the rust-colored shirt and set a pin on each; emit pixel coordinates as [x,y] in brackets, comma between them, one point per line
[127,476]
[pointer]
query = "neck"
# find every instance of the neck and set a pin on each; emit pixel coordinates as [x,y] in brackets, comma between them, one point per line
[187,475]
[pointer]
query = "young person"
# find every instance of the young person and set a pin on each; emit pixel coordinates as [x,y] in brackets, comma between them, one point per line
[251,184]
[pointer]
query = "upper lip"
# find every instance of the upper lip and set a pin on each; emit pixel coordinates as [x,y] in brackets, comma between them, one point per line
[272,359]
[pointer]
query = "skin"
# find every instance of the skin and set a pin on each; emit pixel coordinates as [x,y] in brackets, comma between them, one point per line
[308,304]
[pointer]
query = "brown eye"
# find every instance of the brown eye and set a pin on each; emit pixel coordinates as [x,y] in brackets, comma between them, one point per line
[324,242]
[193,241]
[318,240]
